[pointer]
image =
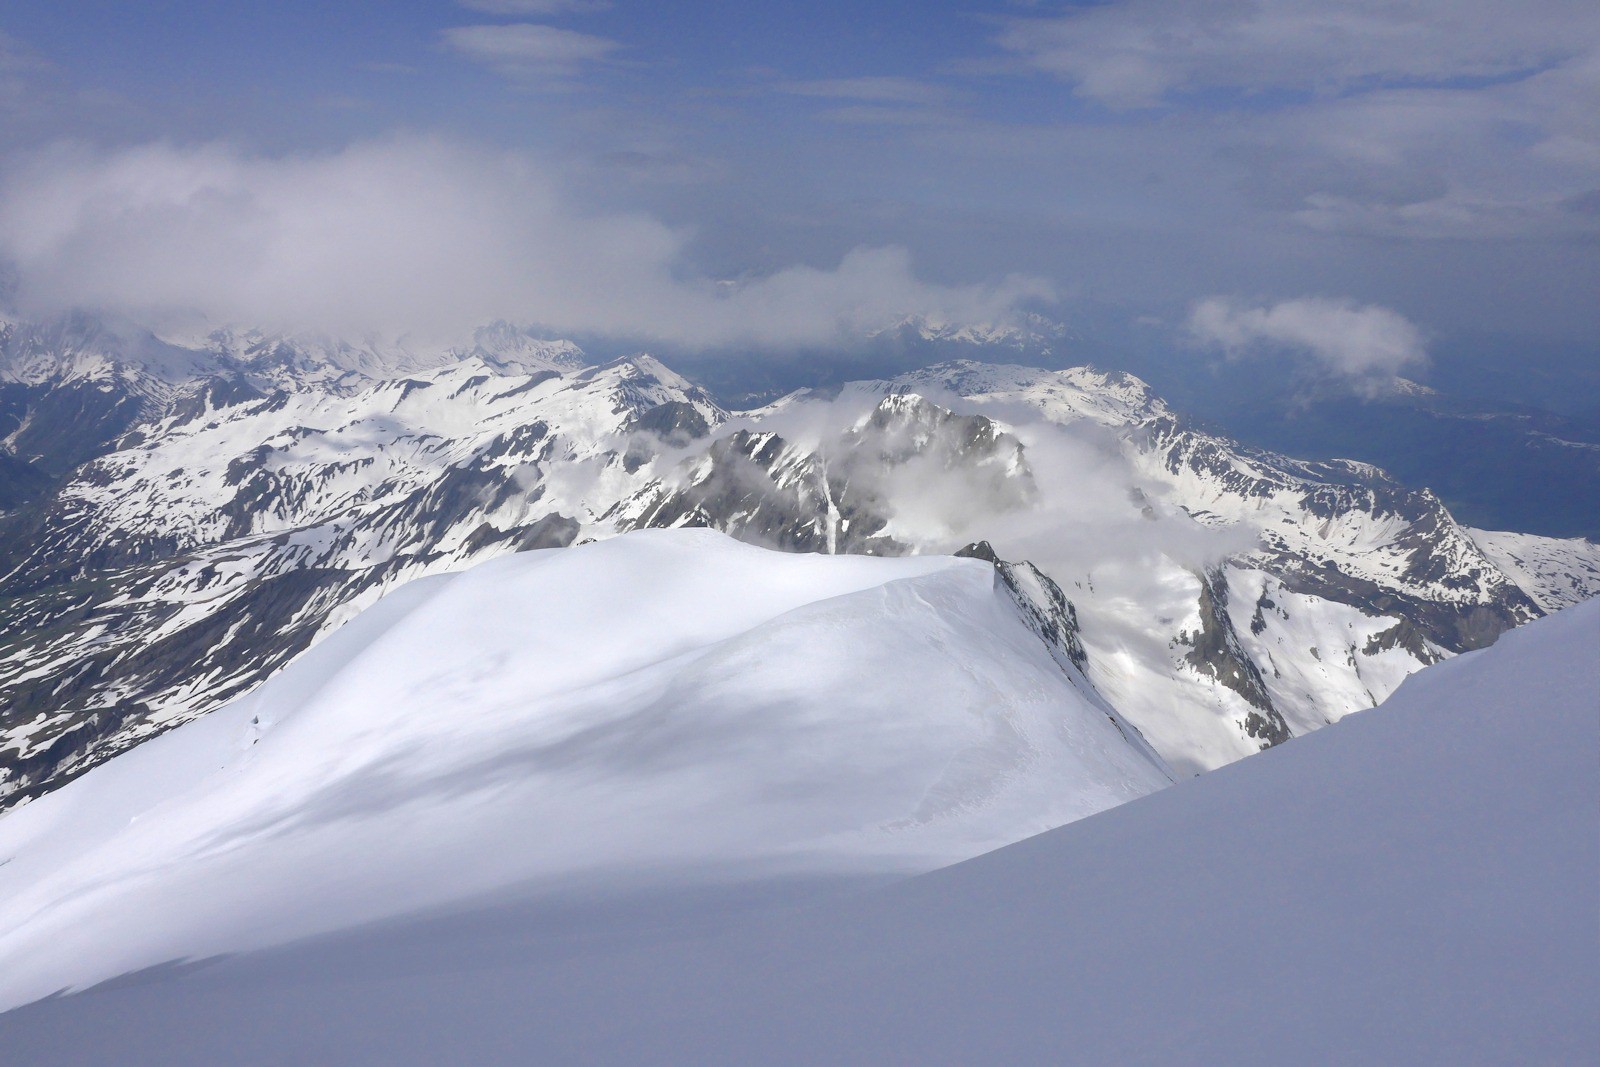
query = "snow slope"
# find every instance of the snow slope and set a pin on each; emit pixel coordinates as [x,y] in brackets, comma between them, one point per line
[1556,572]
[663,705]
[1414,884]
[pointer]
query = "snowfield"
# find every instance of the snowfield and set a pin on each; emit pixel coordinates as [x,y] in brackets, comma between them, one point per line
[1414,884]
[663,706]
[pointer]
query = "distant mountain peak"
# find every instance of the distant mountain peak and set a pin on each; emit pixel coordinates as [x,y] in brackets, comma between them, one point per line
[1024,332]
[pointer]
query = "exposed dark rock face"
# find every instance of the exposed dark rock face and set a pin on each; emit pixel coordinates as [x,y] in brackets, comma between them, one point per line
[1404,635]
[675,422]
[552,531]
[1258,621]
[1217,653]
[757,488]
[213,395]
[21,482]
[1461,601]
[1047,609]
[69,423]
[838,498]
[978,550]
[533,382]
[56,426]
[1453,626]
[903,427]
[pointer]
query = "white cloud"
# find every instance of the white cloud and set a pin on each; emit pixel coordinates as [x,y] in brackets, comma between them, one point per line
[1412,119]
[516,8]
[1378,119]
[414,234]
[1134,52]
[1502,160]
[526,50]
[1367,346]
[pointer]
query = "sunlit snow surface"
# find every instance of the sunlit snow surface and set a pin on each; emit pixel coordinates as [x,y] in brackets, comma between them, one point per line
[1414,884]
[1556,572]
[663,706]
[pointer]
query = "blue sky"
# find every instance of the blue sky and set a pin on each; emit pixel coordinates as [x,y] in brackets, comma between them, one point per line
[1437,159]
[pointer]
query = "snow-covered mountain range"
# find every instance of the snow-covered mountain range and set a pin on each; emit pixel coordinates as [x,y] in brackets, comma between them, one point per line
[250,494]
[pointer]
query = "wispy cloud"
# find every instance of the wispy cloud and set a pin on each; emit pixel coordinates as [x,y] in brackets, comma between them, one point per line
[523,8]
[1135,53]
[877,100]
[1414,119]
[384,67]
[877,90]
[529,51]
[880,115]
[1366,346]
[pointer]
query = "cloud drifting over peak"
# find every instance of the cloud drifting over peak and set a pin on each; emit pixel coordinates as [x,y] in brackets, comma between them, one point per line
[1367,346]
[419,235]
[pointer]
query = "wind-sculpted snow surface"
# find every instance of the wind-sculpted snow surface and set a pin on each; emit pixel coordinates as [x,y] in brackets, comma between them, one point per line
[1222,598]
[659,706]
[1422,891]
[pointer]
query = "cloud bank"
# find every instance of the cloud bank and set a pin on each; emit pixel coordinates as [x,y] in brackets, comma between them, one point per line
[415,235]
[1366,346]
[535,7]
